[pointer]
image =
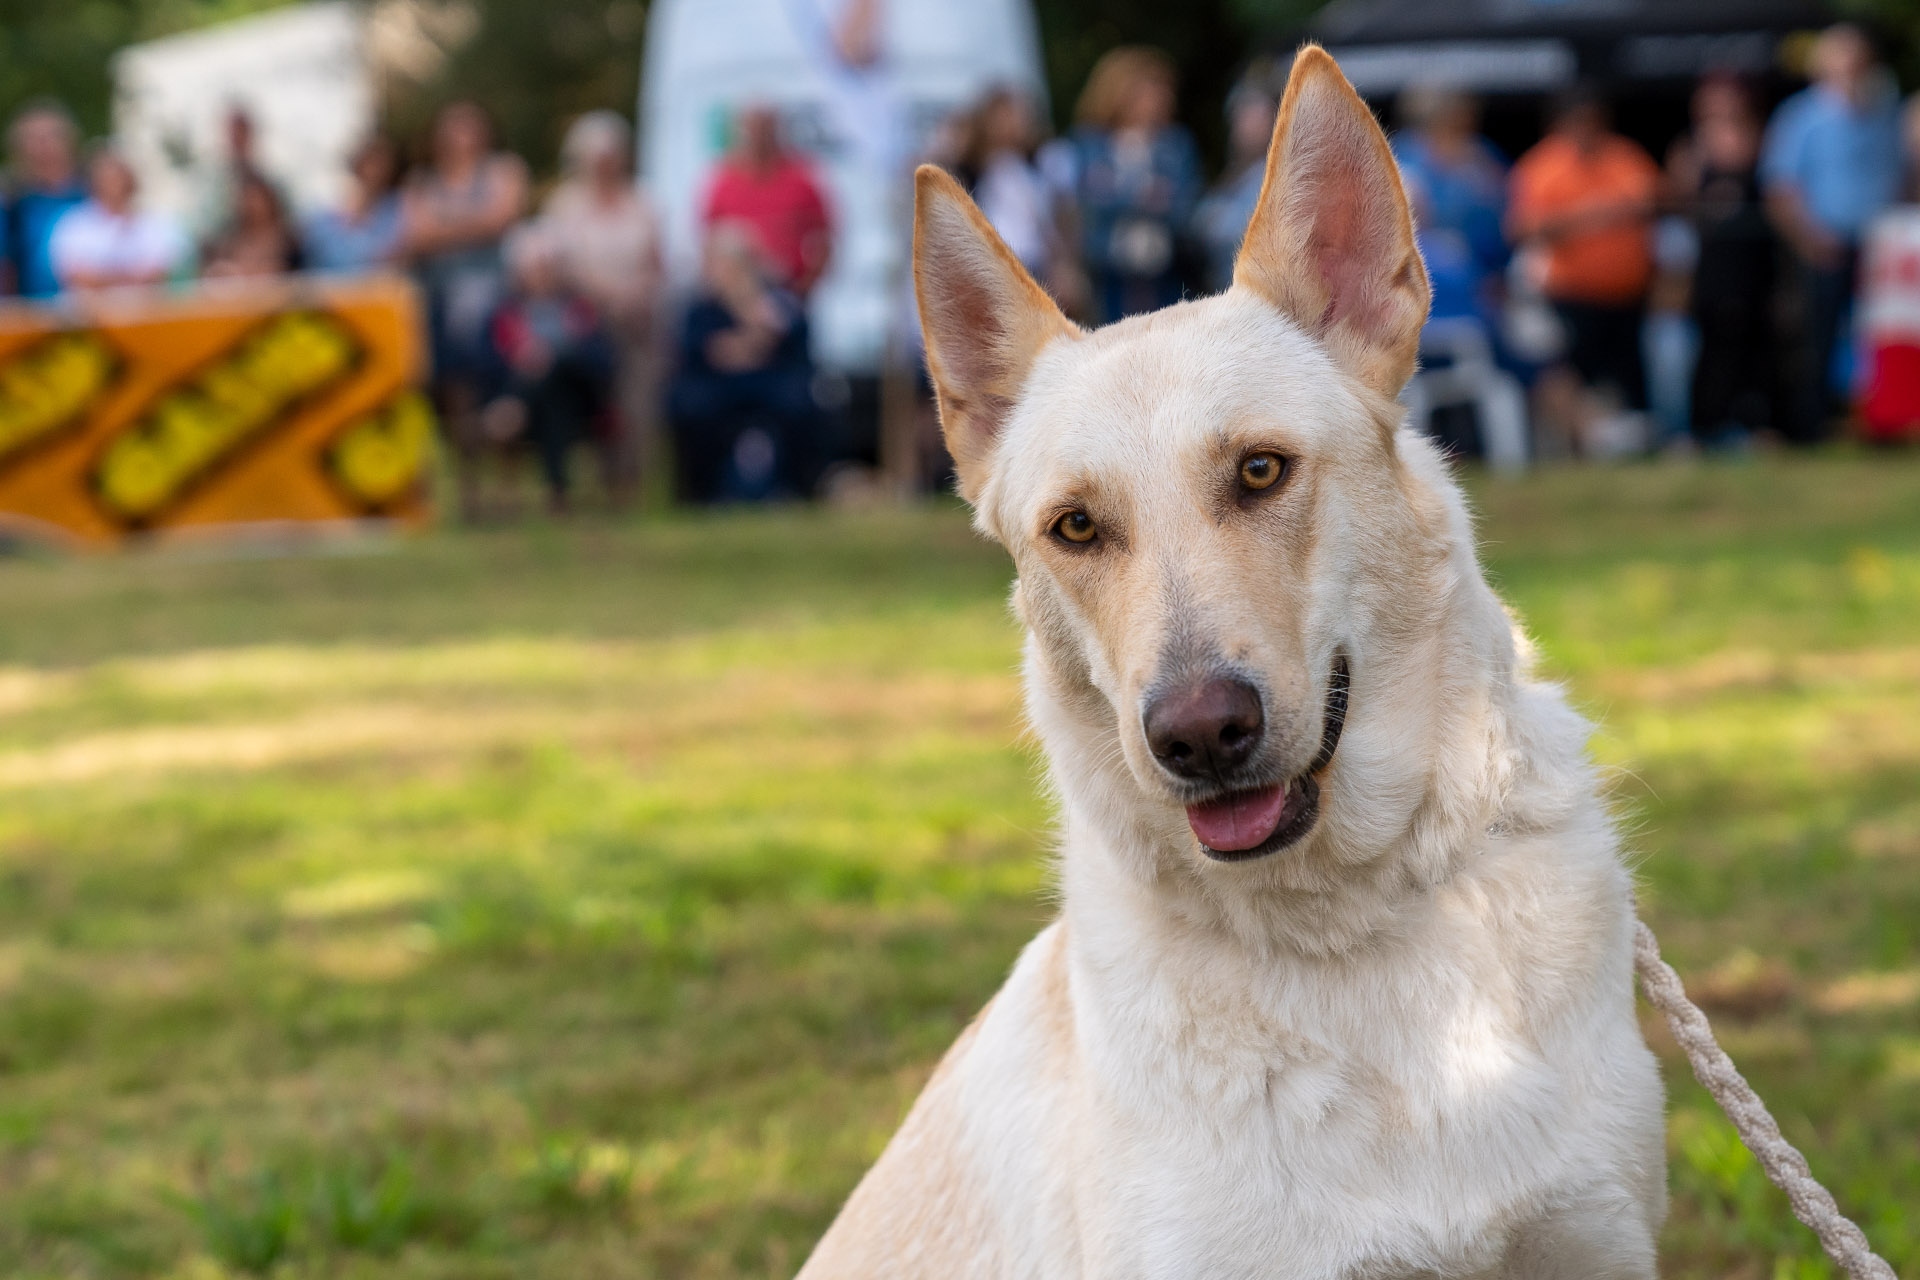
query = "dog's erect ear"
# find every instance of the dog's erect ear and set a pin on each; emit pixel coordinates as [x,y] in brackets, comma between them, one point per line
[1331,241]
[983,316]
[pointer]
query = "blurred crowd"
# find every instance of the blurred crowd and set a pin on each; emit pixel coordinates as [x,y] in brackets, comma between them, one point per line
[1588,298]
[1701,300]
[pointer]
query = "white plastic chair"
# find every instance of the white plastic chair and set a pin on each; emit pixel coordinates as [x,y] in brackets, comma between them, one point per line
[1469,376]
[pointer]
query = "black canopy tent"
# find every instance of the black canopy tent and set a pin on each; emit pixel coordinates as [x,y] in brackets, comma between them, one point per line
[1645,54]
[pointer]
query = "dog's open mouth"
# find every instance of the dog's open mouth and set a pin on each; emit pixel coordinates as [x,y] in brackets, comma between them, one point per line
[1243,825]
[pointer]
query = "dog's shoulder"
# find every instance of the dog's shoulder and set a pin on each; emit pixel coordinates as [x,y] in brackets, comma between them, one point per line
[940,1200]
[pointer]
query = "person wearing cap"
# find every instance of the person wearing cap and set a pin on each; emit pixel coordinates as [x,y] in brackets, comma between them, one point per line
[608,240]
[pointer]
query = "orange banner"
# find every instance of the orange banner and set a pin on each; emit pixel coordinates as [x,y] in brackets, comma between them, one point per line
[150,413]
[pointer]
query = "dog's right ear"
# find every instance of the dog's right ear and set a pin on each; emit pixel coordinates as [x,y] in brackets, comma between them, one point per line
[984,318]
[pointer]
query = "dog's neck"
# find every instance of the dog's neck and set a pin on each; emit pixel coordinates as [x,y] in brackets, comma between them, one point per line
[1412,804]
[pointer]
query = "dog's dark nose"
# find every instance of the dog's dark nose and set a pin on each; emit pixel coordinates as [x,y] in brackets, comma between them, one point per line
[1205,730]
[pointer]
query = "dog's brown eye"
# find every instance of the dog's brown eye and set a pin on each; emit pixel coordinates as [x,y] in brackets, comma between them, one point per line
[1075,526]
[1262,470]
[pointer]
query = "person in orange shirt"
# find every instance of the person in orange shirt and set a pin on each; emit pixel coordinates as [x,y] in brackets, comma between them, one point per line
[1581,207]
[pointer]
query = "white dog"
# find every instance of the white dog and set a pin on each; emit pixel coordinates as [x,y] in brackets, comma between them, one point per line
[1342,981]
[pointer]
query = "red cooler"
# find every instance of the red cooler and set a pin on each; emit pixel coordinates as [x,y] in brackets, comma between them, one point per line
[1890,326]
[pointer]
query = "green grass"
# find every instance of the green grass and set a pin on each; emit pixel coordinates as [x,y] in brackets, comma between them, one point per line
[592,900]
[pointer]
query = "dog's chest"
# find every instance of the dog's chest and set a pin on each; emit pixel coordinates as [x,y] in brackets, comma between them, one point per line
[1402,1139]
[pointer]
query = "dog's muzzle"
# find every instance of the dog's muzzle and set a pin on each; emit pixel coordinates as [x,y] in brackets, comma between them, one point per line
[1251,822]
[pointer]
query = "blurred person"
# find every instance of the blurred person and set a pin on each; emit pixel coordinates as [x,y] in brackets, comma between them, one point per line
[862,80]
[996,165]
[1669,338]
[608,238]
[1732,293]
[363,232]
[1220,221]
[859,37]
[950,144]
[556,363]
[453,213]
[1910,149]
[43,183]
[1457,183]
[108,241]
[222,188]
[1889,402]
[259,240]
[1830,165]
[1581,206]
[745,423]
[767,187]
[1137,181]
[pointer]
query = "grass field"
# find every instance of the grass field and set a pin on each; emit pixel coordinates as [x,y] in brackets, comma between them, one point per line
[590,901]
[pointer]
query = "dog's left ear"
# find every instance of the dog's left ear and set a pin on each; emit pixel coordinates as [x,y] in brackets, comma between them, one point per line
[1331,240]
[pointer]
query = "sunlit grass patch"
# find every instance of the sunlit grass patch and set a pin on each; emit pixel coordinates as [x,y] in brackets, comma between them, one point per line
[593,900]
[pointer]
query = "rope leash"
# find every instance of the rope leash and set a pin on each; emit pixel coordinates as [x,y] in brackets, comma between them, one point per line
[1844,1242]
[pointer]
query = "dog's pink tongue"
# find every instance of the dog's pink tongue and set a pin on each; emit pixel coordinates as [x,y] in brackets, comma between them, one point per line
[1240,821]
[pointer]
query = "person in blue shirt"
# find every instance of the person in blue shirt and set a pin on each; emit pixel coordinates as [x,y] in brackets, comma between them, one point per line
[1457,183]
[363,232]
[43,183]
[1831,165]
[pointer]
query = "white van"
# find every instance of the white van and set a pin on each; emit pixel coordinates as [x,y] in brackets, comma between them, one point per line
[864,129]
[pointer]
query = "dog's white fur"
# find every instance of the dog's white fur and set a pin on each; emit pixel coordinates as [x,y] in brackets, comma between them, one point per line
[1405,1046]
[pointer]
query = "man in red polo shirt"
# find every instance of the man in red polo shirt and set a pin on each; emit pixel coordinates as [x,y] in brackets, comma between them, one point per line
[772,190]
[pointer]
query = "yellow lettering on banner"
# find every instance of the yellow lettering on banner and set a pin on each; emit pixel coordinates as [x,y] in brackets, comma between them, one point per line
[49,385]
[194,426]
[237,392]
[381,459]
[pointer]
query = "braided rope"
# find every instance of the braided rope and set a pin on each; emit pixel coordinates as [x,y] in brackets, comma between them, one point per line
[1844,1242]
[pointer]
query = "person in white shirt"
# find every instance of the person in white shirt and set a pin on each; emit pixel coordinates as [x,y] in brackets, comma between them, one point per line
[107,242]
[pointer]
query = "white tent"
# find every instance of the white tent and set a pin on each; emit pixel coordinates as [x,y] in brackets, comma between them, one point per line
[300,72]
[706,58]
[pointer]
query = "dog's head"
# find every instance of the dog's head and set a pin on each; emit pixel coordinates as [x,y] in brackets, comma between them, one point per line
[1221,534]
